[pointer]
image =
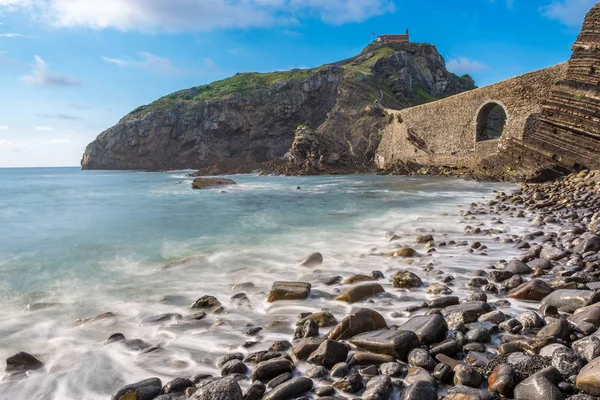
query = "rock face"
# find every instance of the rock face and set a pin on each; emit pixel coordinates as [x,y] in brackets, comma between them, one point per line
[253,118]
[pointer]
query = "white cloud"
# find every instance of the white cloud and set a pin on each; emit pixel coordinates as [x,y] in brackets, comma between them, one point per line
[58,141]
[568,12]
[10,35]
[41,76]
[149,62]
[195,15]
[58,116]
[9,144]
[464,65]
[3,128]
[43,128]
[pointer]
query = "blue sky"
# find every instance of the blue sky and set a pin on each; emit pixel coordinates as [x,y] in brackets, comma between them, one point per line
[70,69]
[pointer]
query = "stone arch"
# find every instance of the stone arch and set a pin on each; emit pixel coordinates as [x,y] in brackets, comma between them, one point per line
[490,120]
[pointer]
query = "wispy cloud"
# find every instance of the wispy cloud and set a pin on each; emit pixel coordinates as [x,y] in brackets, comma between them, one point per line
[3,127]
[196,15]
[568,12]
[58,141]
[10,144]
[42,76]
[58,116]
[43,128]
[149,62]
[464,65]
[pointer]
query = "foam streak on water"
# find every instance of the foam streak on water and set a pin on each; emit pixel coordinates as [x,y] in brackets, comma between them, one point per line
[92,242]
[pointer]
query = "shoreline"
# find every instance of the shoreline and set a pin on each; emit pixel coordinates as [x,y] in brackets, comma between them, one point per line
[378,358]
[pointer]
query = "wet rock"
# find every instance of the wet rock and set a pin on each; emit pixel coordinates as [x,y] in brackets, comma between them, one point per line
[552,254]
[269,369]
[208,302]
[502,380]
[559,328]
[590,243]
[368,358]
[420,390]
[311,260]
[424,238]
[360,292]
[517,267]
[255,391]
[416,374]
[329,353]
[340,370]
[325,391]
[278,380]
[359,321]
[421,358]
[530,320]
[467,375]
[569,300]
[280,345]
[162,318]
[290,389]
[317,372]
[147,389]
[22,362]
[495,317]
[305,347]
[511,325]
[443,373]
[228,357]
[322,319]
[535,289]
[439,289]
[177,385]
[567,362]
[588,379]
[443,301]
[537,386]
[207,183]
[233,367]
[115,338]
[406,280]
[429,329]
[357,278]
[479,335]
[392,369]
[405,252]
[378,388]
[220,389]
[396,343]
[588,347]
[350,384]
[289,291]
[589,314]
[466,312]
[309,329]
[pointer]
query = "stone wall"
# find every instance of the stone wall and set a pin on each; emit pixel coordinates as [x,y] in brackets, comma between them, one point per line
[443,133]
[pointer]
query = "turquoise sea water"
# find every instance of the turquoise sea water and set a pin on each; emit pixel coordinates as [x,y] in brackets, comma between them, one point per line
[74,244]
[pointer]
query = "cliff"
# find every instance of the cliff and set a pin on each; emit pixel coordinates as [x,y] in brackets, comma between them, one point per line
[252,118]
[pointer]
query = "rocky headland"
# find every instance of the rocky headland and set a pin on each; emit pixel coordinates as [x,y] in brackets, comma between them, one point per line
[329,117]
[525,327]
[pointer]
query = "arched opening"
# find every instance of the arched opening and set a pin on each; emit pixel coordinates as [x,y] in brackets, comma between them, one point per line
[490,121]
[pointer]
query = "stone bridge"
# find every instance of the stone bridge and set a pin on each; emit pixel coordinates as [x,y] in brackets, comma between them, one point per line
[547,121]
[452,132]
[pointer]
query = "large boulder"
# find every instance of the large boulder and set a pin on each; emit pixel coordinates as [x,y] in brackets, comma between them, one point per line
[289,291]
[569,300]
[207,183]
[359,321]
[393,342]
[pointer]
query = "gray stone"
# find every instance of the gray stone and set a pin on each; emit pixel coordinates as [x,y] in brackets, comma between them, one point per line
[269,369]
[312,260]
[147,389]
[396,343]
[567,362]
[406,280]
[588,380]
[289,291]
[420,390]
[378,388]
[429,329]
[467,312]
[290,389]
[221,389]
[421,358]
[329,353]
[569,300]
[537,386]
[517,267]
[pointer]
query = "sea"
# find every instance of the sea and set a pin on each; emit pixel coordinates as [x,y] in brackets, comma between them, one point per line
[144,246]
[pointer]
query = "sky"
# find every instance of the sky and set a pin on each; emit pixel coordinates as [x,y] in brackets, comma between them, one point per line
[70,69]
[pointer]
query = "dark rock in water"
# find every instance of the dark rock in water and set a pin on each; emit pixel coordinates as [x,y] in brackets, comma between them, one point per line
[357,278]
[569,300]
[208,302]
[309,329]
[207,183]
[280,345]
[467,375]
[466,312]
[305,347]
[177,385]
[360,292]
[443,373]
[443,301]
[312,260]
[329,353]
[350,384]
[325,391]
[393,369]
[540,263]
[290,389]
[537,386]
[517,267]
[278,380]
[588,347]
[289,291]
[317,372]
[233,367]
[340,370]
[368,358]
[420,390]
[559,328]
[379,387]
[322,319]
[22,362]
[589,314]
[429,329]
[269,369]
[255,391]
[590,243]
[195,316]
[535,289]
[220,389]
[406,280]
[162,318]
[359,321]
[228,357]
[421,358]
[115,338]
[396,343]
[147,389]
[588,380]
